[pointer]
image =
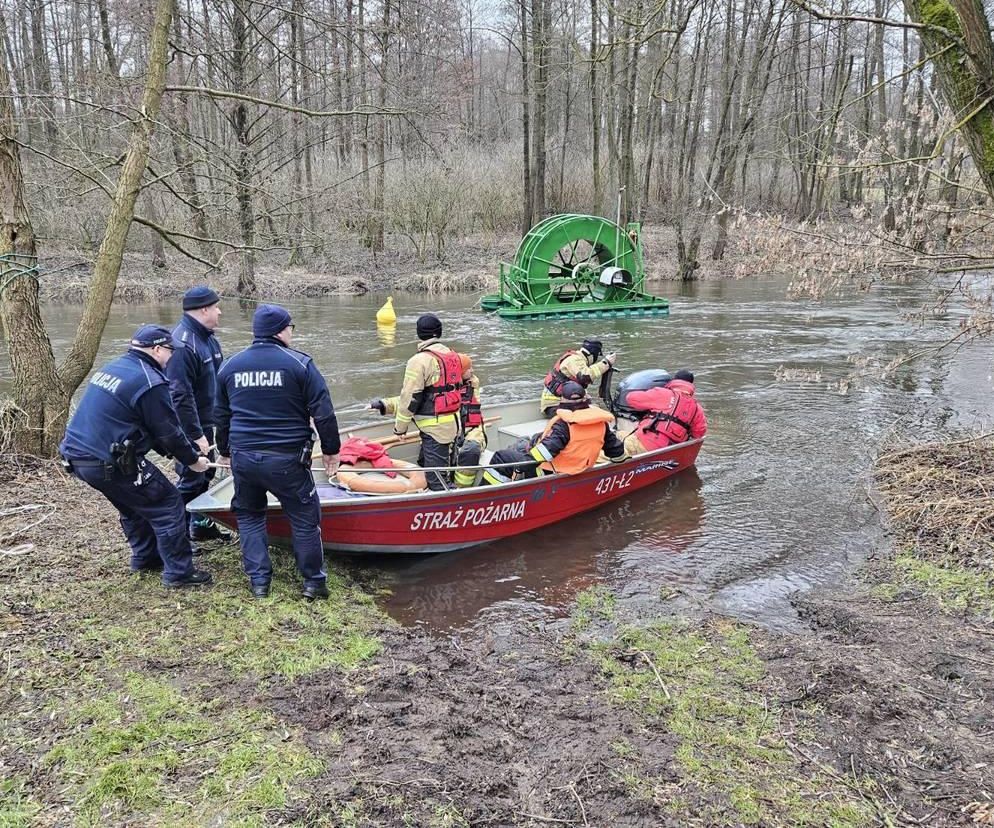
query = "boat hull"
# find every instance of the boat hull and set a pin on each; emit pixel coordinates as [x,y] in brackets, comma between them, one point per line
[458,519]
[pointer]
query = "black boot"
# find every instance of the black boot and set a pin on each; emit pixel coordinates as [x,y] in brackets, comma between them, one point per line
[315,589]
[209,532]
[198,577]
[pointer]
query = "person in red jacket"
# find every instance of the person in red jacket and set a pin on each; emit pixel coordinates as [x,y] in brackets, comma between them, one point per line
[672,415]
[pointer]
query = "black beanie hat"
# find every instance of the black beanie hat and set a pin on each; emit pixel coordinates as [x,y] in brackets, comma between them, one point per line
[200,296]
[685,375]
[269,320]
[429,326]
[594,347]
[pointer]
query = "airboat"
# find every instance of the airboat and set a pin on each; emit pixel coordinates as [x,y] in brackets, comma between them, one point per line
[576,266]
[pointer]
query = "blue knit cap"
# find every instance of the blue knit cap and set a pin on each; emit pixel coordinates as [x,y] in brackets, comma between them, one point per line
[200,296]
[148,336]
[269,320]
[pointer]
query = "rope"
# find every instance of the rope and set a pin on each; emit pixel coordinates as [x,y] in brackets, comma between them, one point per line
[15,267]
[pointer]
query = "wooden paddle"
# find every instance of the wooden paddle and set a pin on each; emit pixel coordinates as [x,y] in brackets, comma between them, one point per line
[395,440]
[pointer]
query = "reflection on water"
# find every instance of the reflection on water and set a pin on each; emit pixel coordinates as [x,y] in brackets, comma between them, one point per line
[549,566]
[780,502]
[386,334]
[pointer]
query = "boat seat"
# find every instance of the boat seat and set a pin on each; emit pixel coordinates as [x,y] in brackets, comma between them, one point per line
[527,429]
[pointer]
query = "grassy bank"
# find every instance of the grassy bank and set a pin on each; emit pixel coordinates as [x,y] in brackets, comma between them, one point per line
[127,703]
[123,703]
[734,762]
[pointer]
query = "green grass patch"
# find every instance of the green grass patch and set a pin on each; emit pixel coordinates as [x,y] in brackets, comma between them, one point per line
[282,635]
[705,688]
[148,751]
[594,604]
[18,808]
[954,586]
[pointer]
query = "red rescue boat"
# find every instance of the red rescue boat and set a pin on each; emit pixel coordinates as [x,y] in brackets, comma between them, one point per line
[427,522]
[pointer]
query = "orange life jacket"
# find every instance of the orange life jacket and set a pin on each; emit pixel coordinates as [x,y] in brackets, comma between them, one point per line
[586,439]
[555,379]
[445,395]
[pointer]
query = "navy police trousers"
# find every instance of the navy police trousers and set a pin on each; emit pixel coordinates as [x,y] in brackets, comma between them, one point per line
[152,516]
[255,473]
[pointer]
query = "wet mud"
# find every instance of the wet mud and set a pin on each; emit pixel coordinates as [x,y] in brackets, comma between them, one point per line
[512,735]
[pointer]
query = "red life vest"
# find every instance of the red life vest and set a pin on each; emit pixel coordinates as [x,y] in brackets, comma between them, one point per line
[355,449]
[670,420]
[470,411]
[445,395]
[555,379]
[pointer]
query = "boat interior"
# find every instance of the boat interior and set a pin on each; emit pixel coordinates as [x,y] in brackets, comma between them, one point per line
[505,425]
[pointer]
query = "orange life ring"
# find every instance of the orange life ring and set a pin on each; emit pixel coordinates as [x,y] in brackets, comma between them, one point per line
[409,479]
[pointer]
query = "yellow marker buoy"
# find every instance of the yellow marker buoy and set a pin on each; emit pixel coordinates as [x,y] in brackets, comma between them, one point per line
[385,315]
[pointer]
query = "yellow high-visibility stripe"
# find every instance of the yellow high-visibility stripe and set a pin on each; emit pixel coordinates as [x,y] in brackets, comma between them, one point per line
[442,419]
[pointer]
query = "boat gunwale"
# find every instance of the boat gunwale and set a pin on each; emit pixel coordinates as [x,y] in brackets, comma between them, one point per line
[365,502]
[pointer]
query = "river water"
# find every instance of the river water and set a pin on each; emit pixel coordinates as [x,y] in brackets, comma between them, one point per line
[779,501]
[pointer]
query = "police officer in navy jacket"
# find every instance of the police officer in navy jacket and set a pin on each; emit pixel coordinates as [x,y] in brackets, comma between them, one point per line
[192,373]
[267,396]
[125,412]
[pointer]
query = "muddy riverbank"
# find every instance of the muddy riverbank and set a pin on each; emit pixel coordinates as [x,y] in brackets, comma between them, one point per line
[123,703]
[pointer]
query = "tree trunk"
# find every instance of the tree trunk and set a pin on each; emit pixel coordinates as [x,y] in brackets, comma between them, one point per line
[105,38]
[33,420]
[107,267]
[539,59]
[528,205]
[41,393]
[158,248]
[595,112]
[965,75]
[376,237]
[244,167]
[42,72]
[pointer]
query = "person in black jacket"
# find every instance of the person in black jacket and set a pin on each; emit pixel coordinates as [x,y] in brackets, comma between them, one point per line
[192,376]
[268,395]
[125,412]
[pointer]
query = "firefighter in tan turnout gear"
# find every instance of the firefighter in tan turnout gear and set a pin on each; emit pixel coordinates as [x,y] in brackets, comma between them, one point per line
[585,366]
[431,397]
[471,439]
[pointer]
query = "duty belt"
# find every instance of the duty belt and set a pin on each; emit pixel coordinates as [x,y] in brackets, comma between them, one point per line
[72,464]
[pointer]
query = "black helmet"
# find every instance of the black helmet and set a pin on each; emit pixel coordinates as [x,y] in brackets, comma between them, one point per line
[429,326]
[572,392]
[594,347]
[685,375]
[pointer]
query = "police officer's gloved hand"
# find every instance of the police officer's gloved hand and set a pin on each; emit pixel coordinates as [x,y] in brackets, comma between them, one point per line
[379,405]
[399,433]
[611,358]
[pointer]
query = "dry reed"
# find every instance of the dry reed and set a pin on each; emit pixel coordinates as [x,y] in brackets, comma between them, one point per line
[939,498]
